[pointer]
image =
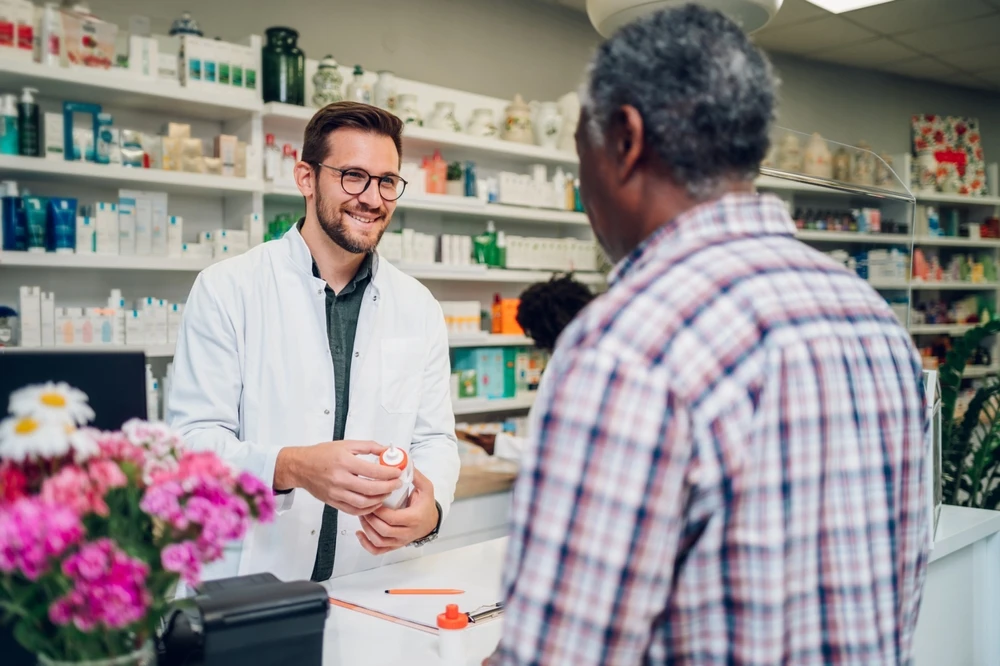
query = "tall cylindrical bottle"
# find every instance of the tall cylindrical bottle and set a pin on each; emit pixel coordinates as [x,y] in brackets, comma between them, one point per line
[396,457]
[451,623]
[9,144]
[27,124]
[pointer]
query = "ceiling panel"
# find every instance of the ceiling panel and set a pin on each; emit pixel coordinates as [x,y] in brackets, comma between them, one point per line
[991,76]
[824,33]
[924,67]
[796,11]
[974,60]
[953,37]
[900,16]
[866,54]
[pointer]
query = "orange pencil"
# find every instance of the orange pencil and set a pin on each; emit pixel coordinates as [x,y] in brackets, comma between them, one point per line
[430,591]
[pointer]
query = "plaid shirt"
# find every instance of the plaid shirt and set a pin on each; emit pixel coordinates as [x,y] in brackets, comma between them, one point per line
[725,465]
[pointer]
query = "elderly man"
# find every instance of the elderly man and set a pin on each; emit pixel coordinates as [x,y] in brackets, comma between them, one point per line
[727,451]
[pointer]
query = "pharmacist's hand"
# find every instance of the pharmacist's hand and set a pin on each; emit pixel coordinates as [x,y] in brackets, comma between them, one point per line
[333,473]
[388,529]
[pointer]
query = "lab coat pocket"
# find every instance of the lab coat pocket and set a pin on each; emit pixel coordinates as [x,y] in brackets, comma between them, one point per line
[401,377]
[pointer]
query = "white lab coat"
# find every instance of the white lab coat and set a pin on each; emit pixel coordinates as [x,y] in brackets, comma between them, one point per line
[252,373]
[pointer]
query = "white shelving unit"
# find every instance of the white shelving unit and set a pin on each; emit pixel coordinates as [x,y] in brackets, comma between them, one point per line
[471,406]
[151,351]
[940,329]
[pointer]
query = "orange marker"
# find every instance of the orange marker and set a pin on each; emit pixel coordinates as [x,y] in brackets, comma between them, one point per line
[428,591]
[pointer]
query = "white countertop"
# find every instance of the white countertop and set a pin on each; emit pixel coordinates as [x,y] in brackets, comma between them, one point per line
[353,638]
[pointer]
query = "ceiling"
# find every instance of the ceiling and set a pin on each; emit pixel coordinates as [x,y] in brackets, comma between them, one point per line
[948,41]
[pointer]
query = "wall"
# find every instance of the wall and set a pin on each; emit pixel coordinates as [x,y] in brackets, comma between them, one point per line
[499,47]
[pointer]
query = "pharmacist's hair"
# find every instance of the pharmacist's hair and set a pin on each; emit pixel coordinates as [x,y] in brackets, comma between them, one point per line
[350,115]
[706,94]
[547,308]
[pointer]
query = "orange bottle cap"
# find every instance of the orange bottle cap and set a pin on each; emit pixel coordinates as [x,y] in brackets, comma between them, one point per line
[393,457]
[452,618]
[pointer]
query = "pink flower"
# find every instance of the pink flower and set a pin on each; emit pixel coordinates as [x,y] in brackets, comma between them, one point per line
[105,475]
[83,491]
[33,533]
[184,559]
[117,447]
[261,495]
[163,501]
[109,589]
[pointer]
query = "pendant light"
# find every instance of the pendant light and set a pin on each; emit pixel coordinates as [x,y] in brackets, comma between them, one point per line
[609,15]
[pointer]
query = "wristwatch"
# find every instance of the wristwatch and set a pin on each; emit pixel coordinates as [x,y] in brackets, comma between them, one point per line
[434,533]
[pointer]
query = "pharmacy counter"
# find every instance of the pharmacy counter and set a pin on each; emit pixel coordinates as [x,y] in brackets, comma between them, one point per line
[957,618]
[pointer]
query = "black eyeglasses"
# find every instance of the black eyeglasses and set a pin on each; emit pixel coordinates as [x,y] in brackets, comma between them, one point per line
[356,181]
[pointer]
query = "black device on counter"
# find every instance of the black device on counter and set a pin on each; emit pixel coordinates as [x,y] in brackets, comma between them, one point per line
[114,381]
[252,620]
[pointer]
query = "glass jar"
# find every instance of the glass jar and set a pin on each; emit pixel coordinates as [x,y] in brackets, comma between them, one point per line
[144,656]
[283,66]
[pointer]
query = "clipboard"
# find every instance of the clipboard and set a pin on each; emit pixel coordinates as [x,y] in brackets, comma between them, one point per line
[475,569]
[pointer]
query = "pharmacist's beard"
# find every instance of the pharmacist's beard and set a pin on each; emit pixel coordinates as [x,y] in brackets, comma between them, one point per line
[340,228]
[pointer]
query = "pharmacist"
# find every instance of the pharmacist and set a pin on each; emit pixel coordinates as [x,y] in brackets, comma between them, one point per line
[303,358]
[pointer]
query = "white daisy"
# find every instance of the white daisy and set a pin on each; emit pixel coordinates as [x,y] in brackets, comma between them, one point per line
[25,437]
[52,402]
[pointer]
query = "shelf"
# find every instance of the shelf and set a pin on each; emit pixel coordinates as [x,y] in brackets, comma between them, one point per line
[486,340]
[118,88]
[962,199]
[175,182]
[942,241]
[445,273]
[294,118]
[785,181]
[852,237]
[102,261]
[152,351]
[455,207]
[941,329]
[889,284]
[483,406]
[973,371]
[956,286]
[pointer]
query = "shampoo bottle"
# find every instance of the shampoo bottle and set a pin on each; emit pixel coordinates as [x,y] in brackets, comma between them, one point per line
[27,124]
[396,457]
[8,130]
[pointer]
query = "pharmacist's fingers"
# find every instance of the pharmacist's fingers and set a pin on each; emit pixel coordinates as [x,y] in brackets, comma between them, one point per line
[383,528]
[379,540]
[369,546]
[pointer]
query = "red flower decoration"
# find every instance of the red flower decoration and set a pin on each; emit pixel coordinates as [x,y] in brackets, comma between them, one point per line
[925,130]
[961,129]
[13,483]
[979,153]
[939,137]
[930,119]
[973,138]
[976,184]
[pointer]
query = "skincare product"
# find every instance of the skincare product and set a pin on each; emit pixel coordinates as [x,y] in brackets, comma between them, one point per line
[48,313]
[131,148]
[272,159]
[49,47]
[240,167]
[27,124]
[103,139]
[106,228]
[31,316]
[225,150]
[191,156]
[175,236]
[8,128]
[126,223]
[142,56]
[152,148]
[70,132]
[34,210]
[85,234]
[213,165]
[143,224]
[15,224]
[159,224]
[177,130]
[135,331]
[61,218]
[54,147]
[17,30]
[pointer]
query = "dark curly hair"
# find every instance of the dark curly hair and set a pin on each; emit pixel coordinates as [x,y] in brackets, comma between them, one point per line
[548,307]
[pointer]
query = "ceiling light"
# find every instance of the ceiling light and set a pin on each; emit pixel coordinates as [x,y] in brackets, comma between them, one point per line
[609,15]
[841,6]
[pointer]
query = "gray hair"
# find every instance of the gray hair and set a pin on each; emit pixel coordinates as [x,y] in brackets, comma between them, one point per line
[705,93]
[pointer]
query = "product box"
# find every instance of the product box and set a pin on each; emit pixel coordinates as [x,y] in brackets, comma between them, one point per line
[175,314]
[48,318]
[142,56]
[52,129]
[176,130]
[490,373]
[253,226]
[152,147]
[85,234]
[106,229]
[65,330]
[161,222]
[135,328]
[225,149]
[17,30]
[197,251]
[31,316]
[175,236]
[504,317]
[126,224]
[87,41]
[143,226]
[237,240]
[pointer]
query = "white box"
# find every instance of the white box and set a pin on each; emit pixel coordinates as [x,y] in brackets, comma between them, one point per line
[409,245]
[142,56]
[55,148]
[175,236]
[17,19]
[126,224]
[161,220]
[106,231]
[197,251]
[253,225]
[143,225]
[175,314]
[85,234]
[31,316]
[135,332]
[48,318]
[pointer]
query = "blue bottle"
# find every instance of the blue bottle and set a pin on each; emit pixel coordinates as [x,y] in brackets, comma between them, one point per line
[8,126]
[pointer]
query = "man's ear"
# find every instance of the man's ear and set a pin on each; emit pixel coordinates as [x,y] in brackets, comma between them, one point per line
[626,138]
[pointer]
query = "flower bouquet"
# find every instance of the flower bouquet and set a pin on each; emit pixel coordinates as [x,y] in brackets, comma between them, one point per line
[97,528]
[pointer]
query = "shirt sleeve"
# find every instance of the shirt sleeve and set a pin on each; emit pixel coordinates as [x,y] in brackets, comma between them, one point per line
[597,514]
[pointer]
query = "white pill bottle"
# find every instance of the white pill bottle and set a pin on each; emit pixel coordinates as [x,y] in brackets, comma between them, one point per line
[396,457]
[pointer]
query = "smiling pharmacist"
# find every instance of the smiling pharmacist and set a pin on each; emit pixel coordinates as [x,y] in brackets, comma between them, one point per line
[302,359]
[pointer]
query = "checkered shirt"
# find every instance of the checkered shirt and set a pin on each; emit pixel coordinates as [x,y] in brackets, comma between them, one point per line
[726,463]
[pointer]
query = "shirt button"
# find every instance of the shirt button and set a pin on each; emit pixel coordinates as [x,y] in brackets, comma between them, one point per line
[343,532]
[326,411]
[357,354]
[313,533]
[319,291]
[374,297]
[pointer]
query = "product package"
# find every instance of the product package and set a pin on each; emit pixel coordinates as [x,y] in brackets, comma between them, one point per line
[88,41]
[225,150]
[240,168]
[131,149]
[253,225]
[177,130]
[175,236]
[85,234]
[213,165]
[35,216]
[31,316]
[142,56]
[126,224]
[48,313]
[192,159]
[152,148]
[15,224]
[48,46]
[61,221]
[17,30]
[160,223]
[52,129]
[106,229]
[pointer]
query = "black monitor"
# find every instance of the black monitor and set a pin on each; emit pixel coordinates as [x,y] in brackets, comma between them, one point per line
[114,381]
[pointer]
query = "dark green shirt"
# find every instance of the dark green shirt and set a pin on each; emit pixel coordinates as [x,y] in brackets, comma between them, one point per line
[342,313]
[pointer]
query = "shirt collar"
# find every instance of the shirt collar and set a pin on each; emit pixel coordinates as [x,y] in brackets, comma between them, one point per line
[301,258]
[732,215]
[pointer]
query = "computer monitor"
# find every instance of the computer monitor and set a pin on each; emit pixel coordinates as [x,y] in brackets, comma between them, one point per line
[114,381]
